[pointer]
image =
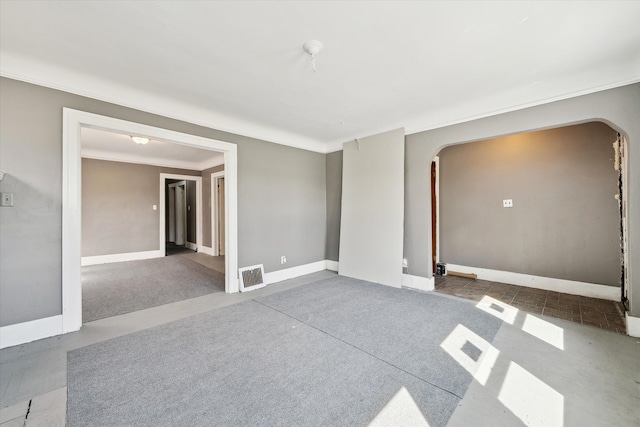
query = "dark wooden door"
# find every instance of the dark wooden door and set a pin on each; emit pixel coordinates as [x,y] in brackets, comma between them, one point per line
[433,216]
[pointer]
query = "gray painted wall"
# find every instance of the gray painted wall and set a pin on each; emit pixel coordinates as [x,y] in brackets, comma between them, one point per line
[283,205]
[206,202]
[373,208]
[565,222]
[334,204]
[281,196]
[117,206]
[619,108]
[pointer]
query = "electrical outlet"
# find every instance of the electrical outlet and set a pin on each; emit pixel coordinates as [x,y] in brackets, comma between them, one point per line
[7,199]
[507,203]
[283,259]
[405,263]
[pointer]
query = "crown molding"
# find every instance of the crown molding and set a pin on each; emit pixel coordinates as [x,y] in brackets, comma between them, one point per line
[28,70]
[417,126]
[18,67]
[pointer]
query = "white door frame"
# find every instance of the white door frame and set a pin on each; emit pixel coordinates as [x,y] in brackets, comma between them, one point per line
[214,212]
[72,123]
[163,185]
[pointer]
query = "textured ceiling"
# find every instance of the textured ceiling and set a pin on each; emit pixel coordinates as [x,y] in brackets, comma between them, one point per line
[240,67]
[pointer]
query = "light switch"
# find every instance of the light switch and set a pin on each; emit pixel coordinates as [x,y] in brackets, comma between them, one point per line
[7,199]
[155,207]
[507,203]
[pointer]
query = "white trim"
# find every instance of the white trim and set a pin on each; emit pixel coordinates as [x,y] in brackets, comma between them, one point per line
[22,333]
[129,256]
[410,130]
[18,67]
[143,160]
[572,287]
[417,282]
[73,121]
[290,273]
[633,326]
[206,250]
[162,210]
[71,221]
[190,245]
[332,265]
[214,212]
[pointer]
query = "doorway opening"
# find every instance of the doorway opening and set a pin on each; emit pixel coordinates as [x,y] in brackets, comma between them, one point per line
[542,210]
[73,123]
[181,213]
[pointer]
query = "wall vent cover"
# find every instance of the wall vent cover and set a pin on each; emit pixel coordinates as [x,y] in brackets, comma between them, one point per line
[251,278]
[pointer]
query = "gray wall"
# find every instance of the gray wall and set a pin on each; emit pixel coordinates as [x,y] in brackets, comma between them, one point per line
[206,203]
[619,108]
[281,196]
[565,222]
[284,206]
[334,204]
[117,202]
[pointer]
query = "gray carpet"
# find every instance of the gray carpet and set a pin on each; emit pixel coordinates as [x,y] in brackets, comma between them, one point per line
[118,288]
[401,326]
[249,364]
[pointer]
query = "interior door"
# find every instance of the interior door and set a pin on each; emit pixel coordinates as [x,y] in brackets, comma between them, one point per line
[221,218]
[180,214]
[172,213]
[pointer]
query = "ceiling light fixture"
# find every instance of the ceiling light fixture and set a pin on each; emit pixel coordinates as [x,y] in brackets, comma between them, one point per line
[313,47]
[140,140]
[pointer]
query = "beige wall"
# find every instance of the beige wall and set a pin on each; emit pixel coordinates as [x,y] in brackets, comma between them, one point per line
[117,206]
[565,222]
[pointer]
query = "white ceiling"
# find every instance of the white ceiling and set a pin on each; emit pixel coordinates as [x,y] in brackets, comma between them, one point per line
[240,67]
[104,145]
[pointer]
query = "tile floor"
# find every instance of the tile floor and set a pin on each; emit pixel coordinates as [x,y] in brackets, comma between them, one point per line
[608,315]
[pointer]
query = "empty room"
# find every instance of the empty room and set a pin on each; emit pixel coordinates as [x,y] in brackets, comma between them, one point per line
[319,213]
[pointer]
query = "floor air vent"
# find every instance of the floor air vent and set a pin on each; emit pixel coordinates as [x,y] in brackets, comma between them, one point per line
[251,278]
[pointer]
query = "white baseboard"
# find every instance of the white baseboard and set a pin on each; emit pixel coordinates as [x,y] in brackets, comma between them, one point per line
[290,273]
[191,246]
[207,250]
[592,290]
[130,256]
[22,333]
[417,282]
[332,265]
[633,326]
